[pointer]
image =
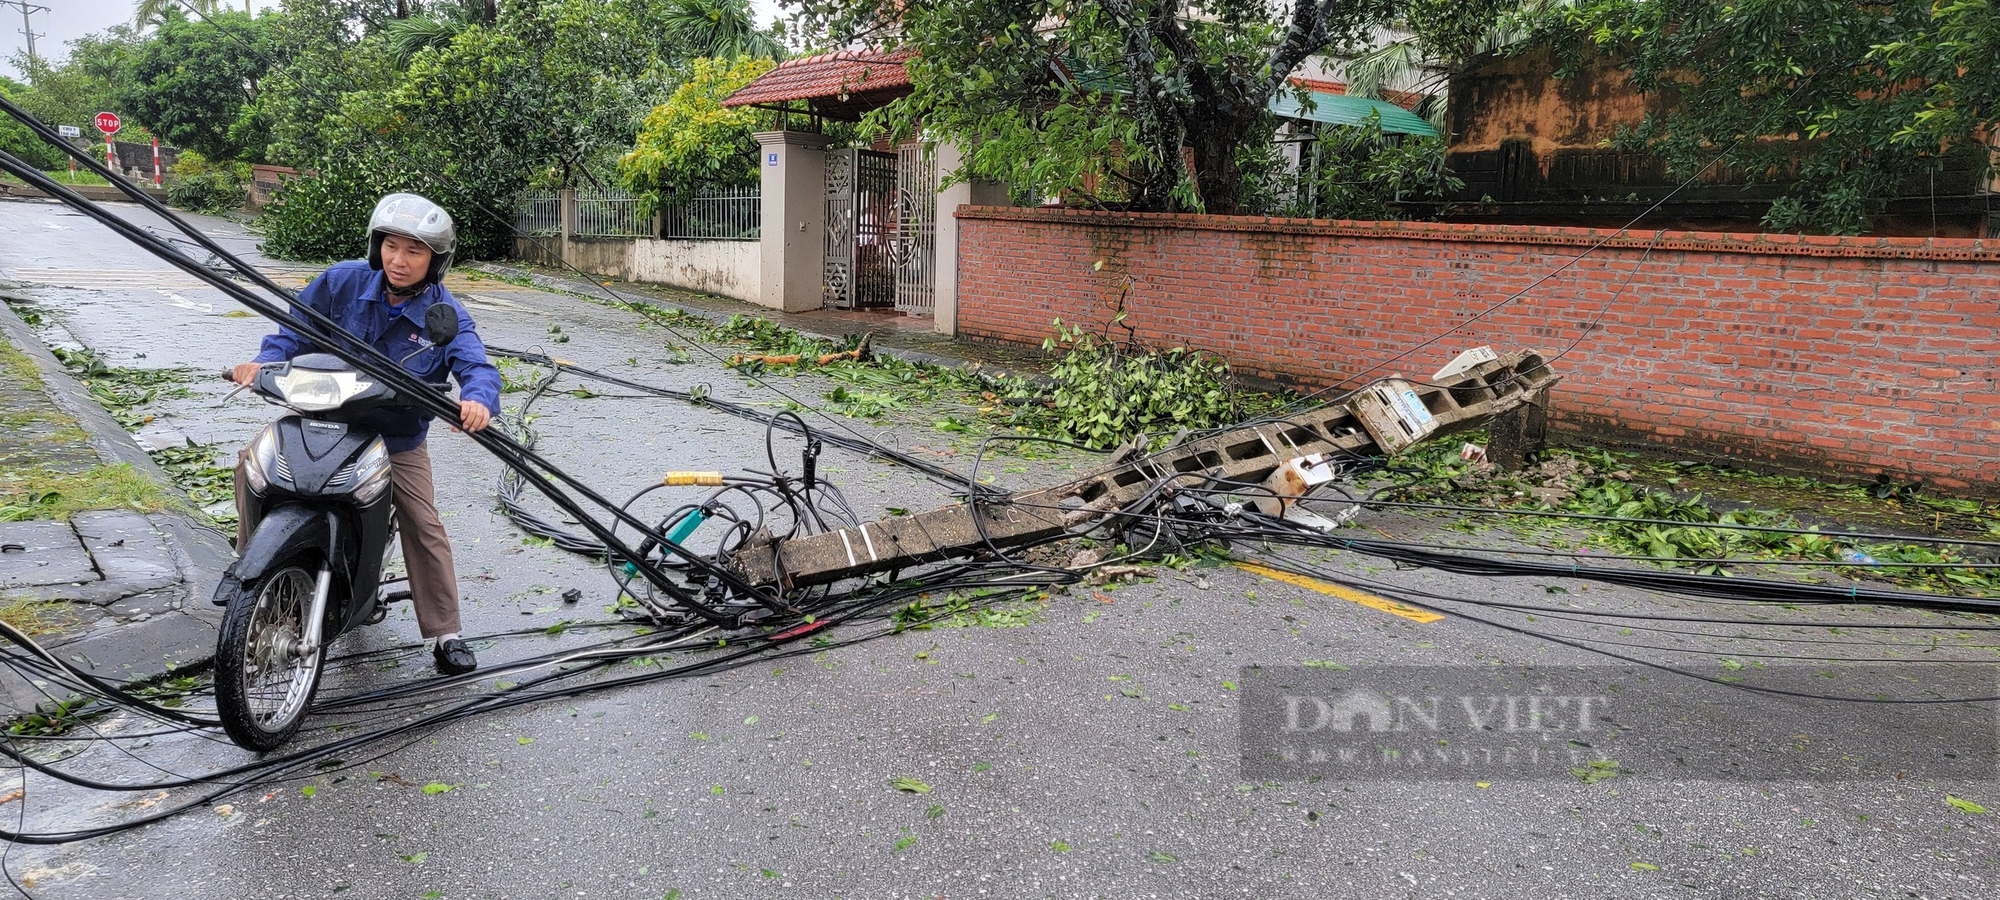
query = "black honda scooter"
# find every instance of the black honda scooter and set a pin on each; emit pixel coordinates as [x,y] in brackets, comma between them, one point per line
[323,515]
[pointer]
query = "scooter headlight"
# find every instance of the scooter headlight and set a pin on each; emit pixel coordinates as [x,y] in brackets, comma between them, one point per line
[308,390]
[263,460]
[371,473]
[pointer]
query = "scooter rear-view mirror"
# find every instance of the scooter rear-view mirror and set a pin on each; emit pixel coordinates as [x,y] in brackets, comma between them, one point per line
[441,324]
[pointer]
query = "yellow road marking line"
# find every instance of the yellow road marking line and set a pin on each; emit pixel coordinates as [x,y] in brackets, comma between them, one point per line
[1345,593]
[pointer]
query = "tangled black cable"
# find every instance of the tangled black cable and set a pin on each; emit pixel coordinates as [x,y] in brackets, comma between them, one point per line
[564,678]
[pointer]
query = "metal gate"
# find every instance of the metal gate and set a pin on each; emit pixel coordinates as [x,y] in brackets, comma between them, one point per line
[916,229]
[860,229]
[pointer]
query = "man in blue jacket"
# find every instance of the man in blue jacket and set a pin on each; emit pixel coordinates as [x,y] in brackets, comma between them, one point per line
[382,301]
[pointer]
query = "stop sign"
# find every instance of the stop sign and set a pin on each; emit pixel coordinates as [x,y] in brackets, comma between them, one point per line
[107,122]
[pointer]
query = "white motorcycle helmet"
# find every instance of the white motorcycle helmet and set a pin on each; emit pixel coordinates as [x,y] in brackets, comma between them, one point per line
[413,217]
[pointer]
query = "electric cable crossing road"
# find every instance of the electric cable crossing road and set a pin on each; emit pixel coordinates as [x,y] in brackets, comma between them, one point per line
[319,330]
[787,557]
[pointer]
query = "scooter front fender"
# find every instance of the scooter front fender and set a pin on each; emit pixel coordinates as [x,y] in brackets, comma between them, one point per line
[281,533]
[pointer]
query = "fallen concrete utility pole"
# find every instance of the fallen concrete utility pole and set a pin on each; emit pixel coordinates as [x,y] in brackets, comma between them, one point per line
[1286,458]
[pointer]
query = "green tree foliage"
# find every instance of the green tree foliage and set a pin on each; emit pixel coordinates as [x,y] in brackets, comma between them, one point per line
[1844,101]
[85,83]
[192,83]
[718,28]
[15,138]
[1121,100]
[442,129]
[1109,392]
[408,37]
[691,141]
[325,217]
[321,52]
[545,96]
[1362,173]
[1956,60]
[156,12]
[209,186]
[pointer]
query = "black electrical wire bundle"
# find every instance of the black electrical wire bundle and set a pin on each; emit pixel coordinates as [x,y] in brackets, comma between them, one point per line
[408,712]
[796,426]
[1197,509]
[809,501]
[322,332]
[809,505]
[512,484]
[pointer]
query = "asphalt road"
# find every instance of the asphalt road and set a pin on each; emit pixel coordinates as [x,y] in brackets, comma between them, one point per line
[1092,751]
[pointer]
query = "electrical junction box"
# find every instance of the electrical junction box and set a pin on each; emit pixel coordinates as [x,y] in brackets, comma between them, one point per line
[1393,414]
[1464,363]
[1294,478]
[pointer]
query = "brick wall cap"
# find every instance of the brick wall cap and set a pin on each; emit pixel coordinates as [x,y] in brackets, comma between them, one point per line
[1953,249]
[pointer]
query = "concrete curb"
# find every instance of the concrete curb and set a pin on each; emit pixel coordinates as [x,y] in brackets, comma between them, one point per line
[169,625]
[110,439]
[593,292]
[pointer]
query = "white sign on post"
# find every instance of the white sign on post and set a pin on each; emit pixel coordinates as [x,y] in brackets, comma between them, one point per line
[69,131]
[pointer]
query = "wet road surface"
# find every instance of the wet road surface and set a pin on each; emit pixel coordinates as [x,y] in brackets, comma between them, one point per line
[1093,751]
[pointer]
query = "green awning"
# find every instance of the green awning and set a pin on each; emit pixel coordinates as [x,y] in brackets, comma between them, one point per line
[1330,109]
[1340,109]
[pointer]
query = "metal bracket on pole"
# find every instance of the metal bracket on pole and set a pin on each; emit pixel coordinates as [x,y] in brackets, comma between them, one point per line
[1286,457]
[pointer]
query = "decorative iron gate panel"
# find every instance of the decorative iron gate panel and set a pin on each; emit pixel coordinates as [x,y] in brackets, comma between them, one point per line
[916,229]
[860,227]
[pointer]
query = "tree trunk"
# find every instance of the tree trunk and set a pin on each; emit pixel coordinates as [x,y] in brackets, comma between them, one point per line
[1233,120]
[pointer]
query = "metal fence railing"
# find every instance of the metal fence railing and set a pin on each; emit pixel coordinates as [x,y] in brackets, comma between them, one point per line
[712,214]
[715,214]
[611,214]
[539,214]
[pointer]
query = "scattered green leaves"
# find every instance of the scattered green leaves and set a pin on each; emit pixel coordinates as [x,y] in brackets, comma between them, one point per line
[909,785]
[1965,806]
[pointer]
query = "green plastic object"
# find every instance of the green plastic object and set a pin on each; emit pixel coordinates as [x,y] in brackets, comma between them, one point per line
[687,526]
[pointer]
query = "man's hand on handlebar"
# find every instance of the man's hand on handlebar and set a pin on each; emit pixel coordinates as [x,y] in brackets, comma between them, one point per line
[245,374]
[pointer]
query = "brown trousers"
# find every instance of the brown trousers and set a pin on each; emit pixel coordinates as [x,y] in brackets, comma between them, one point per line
[426,547]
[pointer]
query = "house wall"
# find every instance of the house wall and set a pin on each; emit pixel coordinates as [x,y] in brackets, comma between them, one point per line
[729,268]
[1533,148]
[1520,98]
[1826,355]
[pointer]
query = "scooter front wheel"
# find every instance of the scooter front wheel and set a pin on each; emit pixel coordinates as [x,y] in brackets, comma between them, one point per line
[263,682]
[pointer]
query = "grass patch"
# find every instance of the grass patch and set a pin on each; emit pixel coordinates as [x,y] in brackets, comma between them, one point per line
[64,176]
[50,425]
[33,617]
[38,493]
[18,366]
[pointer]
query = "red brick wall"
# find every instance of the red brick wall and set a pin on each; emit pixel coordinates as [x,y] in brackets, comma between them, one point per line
[265,179]
[1849,355]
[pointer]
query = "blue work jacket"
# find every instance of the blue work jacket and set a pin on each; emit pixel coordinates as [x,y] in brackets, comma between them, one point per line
[352,294]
